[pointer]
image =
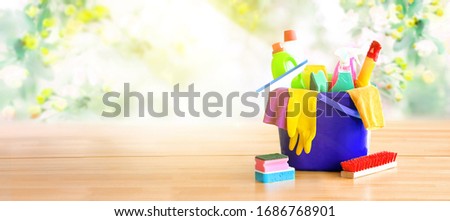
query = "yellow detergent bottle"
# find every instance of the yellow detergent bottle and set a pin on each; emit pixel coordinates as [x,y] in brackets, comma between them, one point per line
[281,61]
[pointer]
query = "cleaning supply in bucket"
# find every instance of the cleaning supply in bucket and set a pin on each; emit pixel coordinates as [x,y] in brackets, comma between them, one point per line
[292,45]
[306,73]
[345,67]
[368,65]
[363,166]
[319,82]
[368,103]
[329,127]
[273,168]
[281,60]
[347,58]
[284,56]
[344,82]
[297,82]
[301,119]
[276,107]
[281,76]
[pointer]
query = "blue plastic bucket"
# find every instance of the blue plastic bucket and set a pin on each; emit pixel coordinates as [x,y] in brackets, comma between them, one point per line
[340,135]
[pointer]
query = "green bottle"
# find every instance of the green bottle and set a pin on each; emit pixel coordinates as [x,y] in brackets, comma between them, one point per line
[281,60]
[297,82]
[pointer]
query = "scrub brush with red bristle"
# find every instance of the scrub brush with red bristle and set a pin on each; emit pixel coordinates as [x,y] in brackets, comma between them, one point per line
[369,164]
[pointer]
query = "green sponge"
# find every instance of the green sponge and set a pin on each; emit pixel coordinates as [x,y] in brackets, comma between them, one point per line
[272,156]
[319,82]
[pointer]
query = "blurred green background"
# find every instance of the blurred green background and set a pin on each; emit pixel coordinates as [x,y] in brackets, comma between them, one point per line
[57,58]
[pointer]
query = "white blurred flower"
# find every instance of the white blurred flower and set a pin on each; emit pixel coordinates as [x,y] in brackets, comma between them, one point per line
[70,91]
[367,36]
[110,33]
[13,75]
[13,5]
[425,47]
[8,113]
[379,18]
[350,19]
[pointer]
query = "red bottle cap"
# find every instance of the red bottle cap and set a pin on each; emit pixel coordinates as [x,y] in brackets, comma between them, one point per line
[374,50]
[289,35]
[277,47]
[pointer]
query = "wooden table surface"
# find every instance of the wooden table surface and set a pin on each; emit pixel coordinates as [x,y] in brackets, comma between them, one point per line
[185,162]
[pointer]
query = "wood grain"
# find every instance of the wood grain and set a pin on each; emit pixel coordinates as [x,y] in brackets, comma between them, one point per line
[154,162]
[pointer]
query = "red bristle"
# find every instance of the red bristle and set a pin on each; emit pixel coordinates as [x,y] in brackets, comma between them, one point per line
[369,161]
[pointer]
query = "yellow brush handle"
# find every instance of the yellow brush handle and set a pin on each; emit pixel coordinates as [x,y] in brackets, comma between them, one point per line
[368,65]
[366,72]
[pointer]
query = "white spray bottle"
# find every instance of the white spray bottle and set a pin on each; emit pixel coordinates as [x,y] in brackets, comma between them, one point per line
[346,64]
[292,46]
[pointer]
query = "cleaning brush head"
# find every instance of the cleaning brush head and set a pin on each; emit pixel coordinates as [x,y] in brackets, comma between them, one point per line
[365,165]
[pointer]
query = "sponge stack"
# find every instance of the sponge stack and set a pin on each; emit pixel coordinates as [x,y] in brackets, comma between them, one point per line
[273,168]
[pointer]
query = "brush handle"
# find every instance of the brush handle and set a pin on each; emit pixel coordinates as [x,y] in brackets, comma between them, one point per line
[368,65]
[353,175]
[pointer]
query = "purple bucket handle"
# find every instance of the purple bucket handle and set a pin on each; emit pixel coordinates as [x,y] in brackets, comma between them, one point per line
[338,106]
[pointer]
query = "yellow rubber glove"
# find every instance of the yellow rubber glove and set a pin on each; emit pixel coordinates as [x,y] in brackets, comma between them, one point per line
[301,119]
[368,103]
[293,141]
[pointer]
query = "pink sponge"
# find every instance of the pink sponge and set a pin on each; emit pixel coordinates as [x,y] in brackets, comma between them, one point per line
[271,162]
